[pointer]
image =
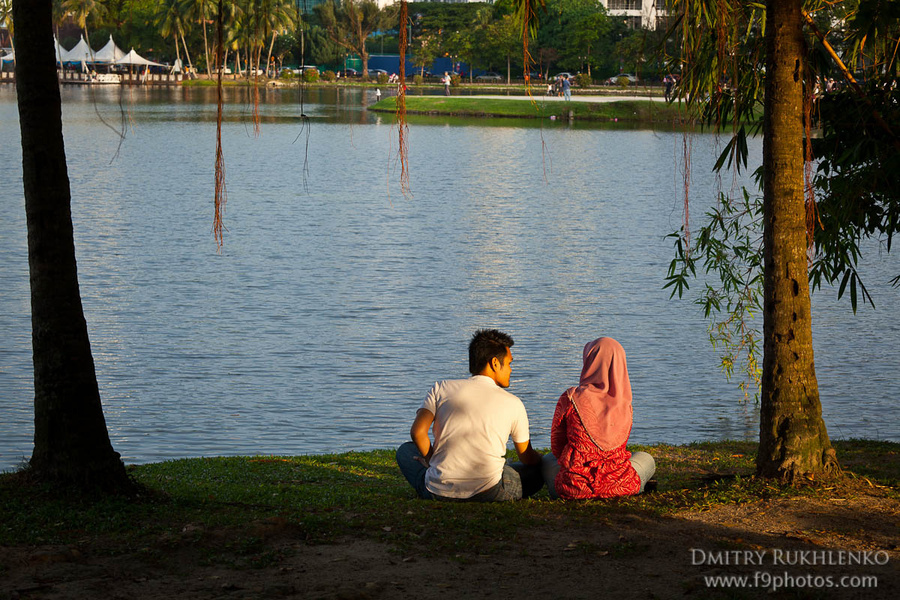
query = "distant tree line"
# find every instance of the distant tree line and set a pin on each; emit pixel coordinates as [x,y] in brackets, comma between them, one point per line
[575,35]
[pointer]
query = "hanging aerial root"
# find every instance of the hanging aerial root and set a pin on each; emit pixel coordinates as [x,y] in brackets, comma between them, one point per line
[526,13]
[220,192]
[687,149]
[528,62]
[402,126]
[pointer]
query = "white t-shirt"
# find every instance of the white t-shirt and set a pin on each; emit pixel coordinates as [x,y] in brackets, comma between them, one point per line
[473,419]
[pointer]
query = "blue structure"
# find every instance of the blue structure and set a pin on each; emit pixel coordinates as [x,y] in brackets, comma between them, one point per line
[391,64]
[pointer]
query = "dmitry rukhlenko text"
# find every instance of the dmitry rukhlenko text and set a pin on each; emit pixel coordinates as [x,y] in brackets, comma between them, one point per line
[779,557]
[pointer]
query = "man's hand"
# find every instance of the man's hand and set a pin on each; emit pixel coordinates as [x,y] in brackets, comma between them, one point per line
[527,454]
[419,434]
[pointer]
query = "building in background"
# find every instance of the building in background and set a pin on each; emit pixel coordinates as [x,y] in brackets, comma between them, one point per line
[639,14]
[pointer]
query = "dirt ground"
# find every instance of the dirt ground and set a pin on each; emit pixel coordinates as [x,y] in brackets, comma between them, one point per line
[772,543]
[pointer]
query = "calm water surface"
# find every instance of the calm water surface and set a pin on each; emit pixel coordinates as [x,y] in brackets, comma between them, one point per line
[338,301]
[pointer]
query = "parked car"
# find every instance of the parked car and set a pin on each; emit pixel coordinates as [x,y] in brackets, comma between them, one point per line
[489,76]
[303,68]
[565,74]
[348,72]
[252,72]
[376,72]
[614,80]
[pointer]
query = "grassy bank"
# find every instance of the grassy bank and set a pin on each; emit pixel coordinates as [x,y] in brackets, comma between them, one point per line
[645,111]
[324,498]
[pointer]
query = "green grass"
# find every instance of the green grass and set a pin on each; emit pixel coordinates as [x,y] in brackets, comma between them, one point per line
[324,498]
[473,106]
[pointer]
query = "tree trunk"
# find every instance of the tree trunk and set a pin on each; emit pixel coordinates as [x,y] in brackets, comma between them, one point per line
[206,49]
[71,443]
[793,440]
[186,53]
[271,46]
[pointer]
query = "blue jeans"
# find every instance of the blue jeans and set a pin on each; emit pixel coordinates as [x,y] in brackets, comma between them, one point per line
[567,93]
[642,462]
[517,481]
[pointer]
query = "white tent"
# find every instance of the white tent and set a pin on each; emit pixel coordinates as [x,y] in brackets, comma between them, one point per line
[109,53]
[60,51]
[133,58]
[81,53]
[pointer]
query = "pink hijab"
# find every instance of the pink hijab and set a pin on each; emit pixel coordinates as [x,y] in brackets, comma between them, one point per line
[603,399]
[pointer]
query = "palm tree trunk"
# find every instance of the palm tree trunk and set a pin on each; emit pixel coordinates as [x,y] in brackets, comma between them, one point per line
[206,50]
[271,46]
[793,438]
[186,53]
[71,442]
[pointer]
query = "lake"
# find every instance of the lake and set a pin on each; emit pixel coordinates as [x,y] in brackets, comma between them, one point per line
[337,301]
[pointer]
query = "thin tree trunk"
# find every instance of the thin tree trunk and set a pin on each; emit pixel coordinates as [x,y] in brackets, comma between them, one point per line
[271,46]
[206,50]
[71,443]
[793,438]
[186,53]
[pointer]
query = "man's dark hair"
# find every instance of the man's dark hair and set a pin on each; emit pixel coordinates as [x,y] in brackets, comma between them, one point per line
[485,345]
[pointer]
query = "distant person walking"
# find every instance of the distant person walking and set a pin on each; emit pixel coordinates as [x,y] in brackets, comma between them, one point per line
[669,81]
[446,81]
[567,88]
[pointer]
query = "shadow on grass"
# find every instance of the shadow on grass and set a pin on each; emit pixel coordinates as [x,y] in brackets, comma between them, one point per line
[325,498]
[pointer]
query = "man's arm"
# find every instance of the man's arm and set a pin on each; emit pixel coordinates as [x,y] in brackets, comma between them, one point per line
[419,432]
[527,454]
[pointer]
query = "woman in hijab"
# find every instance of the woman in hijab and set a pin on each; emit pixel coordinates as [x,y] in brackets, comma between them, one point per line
[590,430]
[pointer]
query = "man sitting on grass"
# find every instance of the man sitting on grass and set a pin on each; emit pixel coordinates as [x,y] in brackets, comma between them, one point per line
[473,419]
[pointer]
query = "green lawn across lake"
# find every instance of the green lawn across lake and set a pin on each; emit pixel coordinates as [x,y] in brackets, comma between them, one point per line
[647,111]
